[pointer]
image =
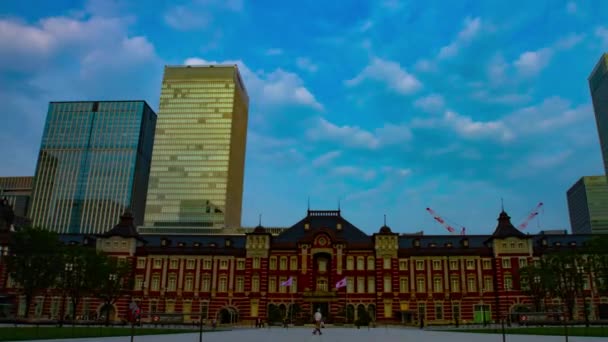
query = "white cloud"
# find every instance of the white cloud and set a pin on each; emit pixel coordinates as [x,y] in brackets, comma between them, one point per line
[530,63]
[27,47]
[184,18]
[390,73]
[472,27]
[553,113]
[274,52]
[274,88]
[391,179]
[326,158]
[353,171]
[507,98]
[366,26]
[496,70]
[424,65]
[356,137]
[306,64]
[466,127]
[430,103]
[602,33]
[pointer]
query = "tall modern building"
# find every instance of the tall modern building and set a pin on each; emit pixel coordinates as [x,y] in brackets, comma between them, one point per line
[588,205]
[94,163]
[198,162]
[18,192]
[598,84]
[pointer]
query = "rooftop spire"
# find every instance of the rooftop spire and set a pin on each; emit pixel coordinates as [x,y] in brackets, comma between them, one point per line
[502,204]
[338,204]
[385,219]
[260,219]
[308,203]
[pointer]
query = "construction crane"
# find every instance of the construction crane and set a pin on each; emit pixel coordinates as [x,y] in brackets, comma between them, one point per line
[444,223]
[530,216]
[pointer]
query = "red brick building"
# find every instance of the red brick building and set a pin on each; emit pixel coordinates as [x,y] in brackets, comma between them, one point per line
[393,277]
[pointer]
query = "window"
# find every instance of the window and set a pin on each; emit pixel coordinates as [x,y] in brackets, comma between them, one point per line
[188,284]
[387,263]
[508,282]
[471,284]
[223,264]
[206,287]
[158,263]
[256,263]
[255,283]
[523,262]
[419,265]
[322,263]
[322,284]
[174,264]
[403,285]
[420,284]
[223,285]
[520,245]
[453,264]
[294,263]
[360,284]
[488,286]
[350,263]
[371,284]
[456,311]
[141,262]
[207,264]
[155,283]
[437,287]
[470,264]
[283,263]
[403,265]
[273,263]
[350,286]
[171,284]
[370,263]
[282,289]
[360,263]
[294,285]
[512,244]
[139,281]
[190,264]
[170,306]
[421,310]
[504,245]
[524,283]
[455,284]
[240,264]
[436,264]
[586,283]
[438,311]
[487,264]
[506,263]
[387,284]
[240,284]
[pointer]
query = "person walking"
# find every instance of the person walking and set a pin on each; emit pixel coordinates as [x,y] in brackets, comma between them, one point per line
[318,317]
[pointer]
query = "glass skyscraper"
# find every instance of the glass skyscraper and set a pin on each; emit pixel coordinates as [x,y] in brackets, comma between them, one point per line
[598,84]
[588,205]
[94,163]
[198,162]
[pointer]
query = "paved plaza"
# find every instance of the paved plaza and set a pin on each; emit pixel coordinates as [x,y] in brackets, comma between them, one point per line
[338,335]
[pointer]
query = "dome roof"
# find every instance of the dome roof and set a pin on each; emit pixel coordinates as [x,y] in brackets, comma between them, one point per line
[385,230]
[259,229]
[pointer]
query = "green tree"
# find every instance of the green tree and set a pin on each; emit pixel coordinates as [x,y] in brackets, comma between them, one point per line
[597,256]
[81,276]
[537,282]
[35,262]
[567,269]
[115,280]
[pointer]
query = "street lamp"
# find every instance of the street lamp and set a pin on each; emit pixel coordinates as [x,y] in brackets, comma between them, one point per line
[483,308]
[69,267]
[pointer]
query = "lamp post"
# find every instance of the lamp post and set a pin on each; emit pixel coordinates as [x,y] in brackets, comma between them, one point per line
[111,279]
[483,308]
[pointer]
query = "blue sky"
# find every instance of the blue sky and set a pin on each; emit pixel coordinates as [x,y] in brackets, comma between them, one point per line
[388,106]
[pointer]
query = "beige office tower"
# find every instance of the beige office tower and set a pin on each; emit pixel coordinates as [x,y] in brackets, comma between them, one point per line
[198,159]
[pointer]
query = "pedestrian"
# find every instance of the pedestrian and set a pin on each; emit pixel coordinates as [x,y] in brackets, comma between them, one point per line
[318,317]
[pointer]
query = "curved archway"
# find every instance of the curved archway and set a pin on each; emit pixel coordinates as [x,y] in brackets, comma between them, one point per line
[350,313]
[227,315]
[283,311]
[372,311]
